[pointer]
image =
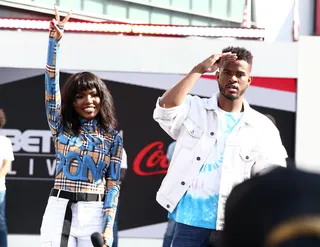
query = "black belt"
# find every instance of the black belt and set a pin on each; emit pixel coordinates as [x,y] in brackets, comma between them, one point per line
[77,196]
[73,197]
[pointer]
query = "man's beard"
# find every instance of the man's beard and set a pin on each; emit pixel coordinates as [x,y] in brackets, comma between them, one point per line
[230,97]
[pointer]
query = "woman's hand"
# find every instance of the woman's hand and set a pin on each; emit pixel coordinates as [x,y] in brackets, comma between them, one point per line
[57,26]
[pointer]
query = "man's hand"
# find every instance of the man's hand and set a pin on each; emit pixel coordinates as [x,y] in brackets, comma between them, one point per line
[57,26]
[212,63]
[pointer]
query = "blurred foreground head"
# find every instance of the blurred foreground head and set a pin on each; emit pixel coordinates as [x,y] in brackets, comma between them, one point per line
[278,209]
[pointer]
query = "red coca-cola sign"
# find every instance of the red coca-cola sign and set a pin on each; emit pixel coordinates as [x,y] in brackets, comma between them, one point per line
[151,160]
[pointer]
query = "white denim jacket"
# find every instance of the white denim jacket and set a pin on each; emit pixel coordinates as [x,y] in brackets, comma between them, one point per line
[253,145]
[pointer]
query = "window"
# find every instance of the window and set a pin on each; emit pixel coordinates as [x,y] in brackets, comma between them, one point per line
[236,10]
[117,10]
[196,21]
[202,6]
[219,8]
[179,19]
[139,14]
[161,2]
[74,5]
[159,17]
[93,6]
[181,4]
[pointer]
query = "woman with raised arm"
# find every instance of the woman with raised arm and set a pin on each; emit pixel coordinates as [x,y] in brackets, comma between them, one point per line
[88,154]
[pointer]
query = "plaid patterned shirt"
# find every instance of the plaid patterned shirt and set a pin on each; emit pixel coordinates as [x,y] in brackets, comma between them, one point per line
[89,162]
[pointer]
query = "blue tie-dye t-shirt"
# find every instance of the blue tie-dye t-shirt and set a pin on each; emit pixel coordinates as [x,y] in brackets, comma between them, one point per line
[199,206]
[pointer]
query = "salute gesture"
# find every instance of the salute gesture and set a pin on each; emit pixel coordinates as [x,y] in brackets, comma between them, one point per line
[212,63]
[57,26]
[176,95]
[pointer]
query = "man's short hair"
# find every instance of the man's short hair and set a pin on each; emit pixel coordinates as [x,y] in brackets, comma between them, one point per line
[242,53]
[2,118]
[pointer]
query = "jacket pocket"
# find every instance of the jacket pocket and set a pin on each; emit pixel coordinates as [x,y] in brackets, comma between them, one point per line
[191,134]
[174,184]
[248,158]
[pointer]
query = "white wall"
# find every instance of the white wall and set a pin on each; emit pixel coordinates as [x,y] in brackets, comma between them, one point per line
[277,16]
[101,52]
[308,117]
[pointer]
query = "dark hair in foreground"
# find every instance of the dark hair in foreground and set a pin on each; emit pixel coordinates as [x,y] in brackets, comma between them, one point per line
[242,53]
[2,118]
[265,208]
[80,82]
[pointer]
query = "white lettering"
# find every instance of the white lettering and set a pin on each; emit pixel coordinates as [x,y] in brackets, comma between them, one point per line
[31,141]
[12,172]
[51,166]
[31,166]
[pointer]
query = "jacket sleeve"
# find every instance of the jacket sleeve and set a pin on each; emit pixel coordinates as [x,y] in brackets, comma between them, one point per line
[112,190]
[171,119]
[273,153]
[52,89]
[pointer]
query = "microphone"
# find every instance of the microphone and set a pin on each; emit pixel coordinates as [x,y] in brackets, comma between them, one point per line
[97,240]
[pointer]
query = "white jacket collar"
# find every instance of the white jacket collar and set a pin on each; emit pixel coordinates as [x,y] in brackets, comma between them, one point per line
[248,114]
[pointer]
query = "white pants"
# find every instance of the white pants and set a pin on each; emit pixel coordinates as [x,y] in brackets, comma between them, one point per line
[87,218]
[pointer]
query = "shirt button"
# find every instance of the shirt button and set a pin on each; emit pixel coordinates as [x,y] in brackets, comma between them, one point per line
[183,183]
[168,206]
[211,133]
[247,157]
[198,158]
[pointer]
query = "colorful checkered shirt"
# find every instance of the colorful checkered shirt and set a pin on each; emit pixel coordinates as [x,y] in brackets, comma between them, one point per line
[88,162]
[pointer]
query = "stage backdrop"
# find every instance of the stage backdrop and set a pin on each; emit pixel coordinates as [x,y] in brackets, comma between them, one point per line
[135,94]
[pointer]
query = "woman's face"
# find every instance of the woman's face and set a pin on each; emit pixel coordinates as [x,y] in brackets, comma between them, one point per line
[87,103]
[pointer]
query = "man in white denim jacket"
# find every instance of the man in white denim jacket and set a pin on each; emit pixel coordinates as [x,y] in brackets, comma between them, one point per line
[221,141]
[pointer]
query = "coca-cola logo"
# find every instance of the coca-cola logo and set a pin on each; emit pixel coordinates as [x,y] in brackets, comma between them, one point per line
[151,160]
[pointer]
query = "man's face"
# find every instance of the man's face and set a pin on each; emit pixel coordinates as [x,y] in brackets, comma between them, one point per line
[233,78]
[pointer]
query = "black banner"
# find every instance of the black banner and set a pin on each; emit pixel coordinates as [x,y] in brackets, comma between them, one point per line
[31,178]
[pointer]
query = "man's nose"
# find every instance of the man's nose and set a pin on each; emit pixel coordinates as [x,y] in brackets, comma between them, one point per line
[233,78]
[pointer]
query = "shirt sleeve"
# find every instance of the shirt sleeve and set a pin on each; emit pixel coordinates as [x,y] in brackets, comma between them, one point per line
[112,190]
[273,153]
[52,88]
[8,153]
[171,119]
